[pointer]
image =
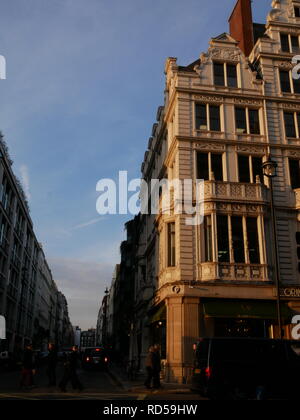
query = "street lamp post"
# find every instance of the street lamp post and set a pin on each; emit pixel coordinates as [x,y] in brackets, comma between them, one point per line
[269,170]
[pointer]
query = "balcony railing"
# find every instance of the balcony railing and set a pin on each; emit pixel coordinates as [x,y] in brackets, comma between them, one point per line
[233,272]
[235,190]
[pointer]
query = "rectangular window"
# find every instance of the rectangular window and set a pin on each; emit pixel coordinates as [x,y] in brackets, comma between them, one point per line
[295,44]
[223,239]
[253,243]
[202,164]
[201,117]
[257,169]
[294,165]
[296,85]
[217,166]
[214,118]
[208,238]
[244,168]
[285,45]
[219,76]
[285,81]
[289,122]
[208,117]
[171,245]
[238,239]
[254,121]
[209,162]
[241,120]
[231,75]
[297,11]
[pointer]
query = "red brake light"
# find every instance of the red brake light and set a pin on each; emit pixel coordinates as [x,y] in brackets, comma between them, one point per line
[97,349]
[208,372]
[105,359]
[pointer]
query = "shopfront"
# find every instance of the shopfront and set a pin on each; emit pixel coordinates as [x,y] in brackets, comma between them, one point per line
[243,318]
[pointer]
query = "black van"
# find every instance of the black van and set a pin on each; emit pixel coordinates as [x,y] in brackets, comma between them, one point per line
[246,368]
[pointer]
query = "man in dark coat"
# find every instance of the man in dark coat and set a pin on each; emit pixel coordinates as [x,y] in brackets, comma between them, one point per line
[51,364]
[70,372]
[149,364]
[156,366]
[28,367]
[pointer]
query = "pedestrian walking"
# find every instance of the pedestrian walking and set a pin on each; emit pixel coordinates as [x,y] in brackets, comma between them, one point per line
[149,364]
[156,366]
[51,364]
[28,368]
[70,371]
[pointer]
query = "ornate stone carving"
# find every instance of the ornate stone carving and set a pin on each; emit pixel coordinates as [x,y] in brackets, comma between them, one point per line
[286,65]
[225,54]
[291,106]
[294,153]
[251,149]
[208,98]
[241,101]
[210,146]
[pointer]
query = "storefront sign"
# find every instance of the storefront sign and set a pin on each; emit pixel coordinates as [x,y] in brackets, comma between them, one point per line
[291,292]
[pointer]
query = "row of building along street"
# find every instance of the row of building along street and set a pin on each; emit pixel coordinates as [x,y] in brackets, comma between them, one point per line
[227,118]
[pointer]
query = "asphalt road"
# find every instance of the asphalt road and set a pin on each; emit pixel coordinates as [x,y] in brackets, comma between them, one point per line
[98,385]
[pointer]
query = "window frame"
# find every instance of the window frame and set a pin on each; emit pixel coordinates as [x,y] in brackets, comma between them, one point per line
[171,250]
[208,117]
[210,165]
[248,126]
[291,83]
[252,177]
[290,43]
[225,72]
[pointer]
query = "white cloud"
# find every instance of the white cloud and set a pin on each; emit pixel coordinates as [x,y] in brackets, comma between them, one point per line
[25,180]
[89,223]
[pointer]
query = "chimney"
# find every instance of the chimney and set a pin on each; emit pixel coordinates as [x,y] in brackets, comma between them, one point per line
[241,25]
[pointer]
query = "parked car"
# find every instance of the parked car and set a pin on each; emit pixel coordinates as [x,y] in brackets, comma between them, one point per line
[246,368]
[95,358]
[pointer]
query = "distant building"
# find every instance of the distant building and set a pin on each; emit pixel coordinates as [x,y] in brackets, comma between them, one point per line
[77,336]
[88,338]
[29,299]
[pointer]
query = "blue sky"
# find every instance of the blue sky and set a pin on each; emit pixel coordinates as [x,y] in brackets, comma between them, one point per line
[84,80]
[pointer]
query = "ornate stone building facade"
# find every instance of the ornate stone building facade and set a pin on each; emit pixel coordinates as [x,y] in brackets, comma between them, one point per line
[223,117]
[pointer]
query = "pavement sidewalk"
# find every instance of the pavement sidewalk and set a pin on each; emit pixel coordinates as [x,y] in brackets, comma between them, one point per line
[137,386]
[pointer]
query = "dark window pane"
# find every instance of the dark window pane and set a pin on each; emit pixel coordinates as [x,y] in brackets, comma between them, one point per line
[231,75]
[244,168]
[223,240]
[201,117]
[214,113]
[238,239]
[257,169]
[253,243]
[298,238]
[217,166]
[254,121]
[285,46]
[202,164]
[294,173]
[298,121]
[240,120]
[298,253]
[171,245]
[289,122]
[297,11]
[296,83]
[295,44]
[208,238]
[219,74]
[285,81]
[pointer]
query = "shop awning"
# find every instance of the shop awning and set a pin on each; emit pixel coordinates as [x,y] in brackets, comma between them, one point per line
[159,315]
[245,309]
